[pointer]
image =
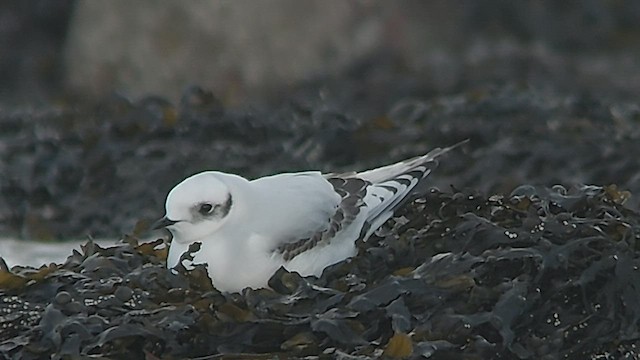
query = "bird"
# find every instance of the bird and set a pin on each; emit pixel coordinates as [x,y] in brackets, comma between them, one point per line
[245,230]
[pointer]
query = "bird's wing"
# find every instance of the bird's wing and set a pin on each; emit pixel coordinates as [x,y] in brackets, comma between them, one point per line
[317,207]
[352,192]
[390,186]
[291,207]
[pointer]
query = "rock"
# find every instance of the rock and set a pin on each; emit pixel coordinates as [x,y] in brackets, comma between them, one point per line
[228,46]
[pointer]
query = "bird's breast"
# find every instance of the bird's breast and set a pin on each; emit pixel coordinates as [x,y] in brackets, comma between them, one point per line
[232,263]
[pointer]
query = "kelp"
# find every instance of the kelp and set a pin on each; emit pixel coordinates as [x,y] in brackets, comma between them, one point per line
[539,273]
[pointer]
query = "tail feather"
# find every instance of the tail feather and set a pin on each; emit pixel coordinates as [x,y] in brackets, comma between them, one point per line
[391,186]
[394,170]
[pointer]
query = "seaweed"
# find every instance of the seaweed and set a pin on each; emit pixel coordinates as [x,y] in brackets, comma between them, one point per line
[539,273]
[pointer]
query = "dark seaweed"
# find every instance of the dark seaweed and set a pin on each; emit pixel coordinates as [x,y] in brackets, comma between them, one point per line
[543,273]
[69,173]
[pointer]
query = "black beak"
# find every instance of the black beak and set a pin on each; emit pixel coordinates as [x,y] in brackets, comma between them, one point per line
[163,223]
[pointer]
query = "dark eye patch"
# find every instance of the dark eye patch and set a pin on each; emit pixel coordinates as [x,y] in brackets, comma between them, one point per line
[210,209]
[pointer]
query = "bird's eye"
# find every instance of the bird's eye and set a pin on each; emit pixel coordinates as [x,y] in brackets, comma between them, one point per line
[205,209]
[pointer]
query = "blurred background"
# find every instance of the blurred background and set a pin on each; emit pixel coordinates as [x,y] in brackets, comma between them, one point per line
[105,106]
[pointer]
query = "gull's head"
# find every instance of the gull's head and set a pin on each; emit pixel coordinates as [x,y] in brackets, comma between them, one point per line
[197,207]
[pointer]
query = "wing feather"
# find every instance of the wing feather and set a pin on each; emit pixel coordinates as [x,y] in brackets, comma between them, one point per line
[375,194]
[352,192]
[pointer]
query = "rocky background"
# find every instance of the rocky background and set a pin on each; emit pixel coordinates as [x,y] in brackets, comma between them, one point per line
[104,107]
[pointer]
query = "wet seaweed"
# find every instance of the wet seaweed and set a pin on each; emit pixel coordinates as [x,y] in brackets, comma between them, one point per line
[540,273]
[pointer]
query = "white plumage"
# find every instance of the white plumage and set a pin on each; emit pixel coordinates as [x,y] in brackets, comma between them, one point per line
[303,221]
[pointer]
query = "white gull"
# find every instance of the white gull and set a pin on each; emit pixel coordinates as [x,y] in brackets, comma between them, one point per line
[306,221]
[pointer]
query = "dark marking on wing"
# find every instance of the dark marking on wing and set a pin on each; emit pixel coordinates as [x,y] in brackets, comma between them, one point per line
[390,188]
[352,191]
[419,172]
